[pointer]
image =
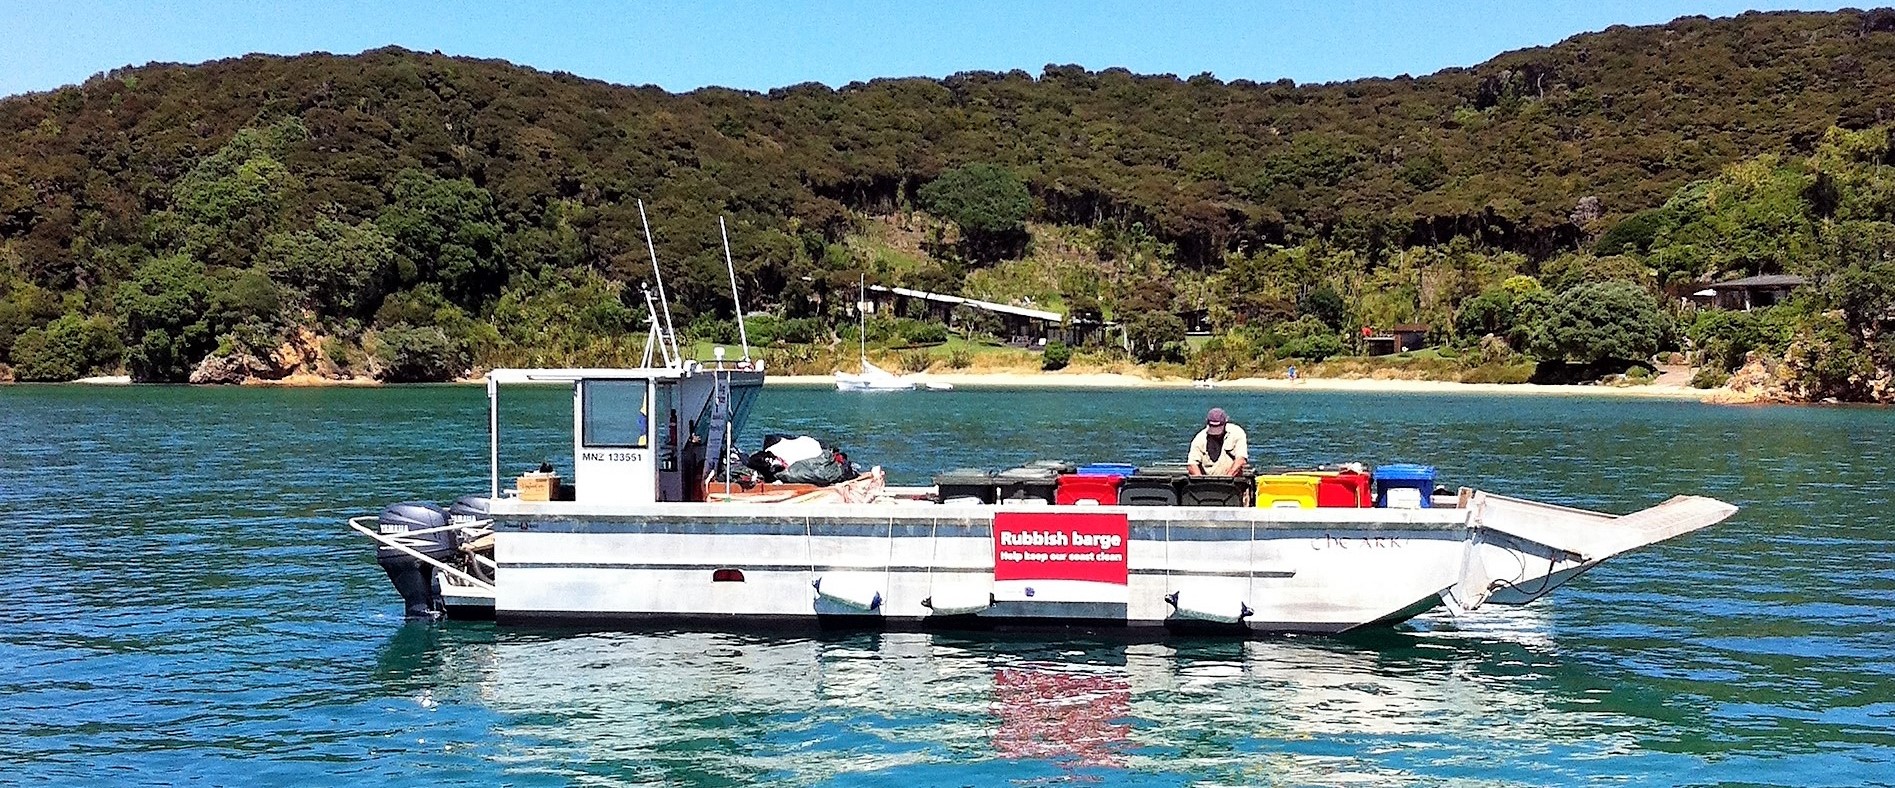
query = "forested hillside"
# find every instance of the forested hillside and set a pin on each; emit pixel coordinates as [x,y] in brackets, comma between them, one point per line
[410,215]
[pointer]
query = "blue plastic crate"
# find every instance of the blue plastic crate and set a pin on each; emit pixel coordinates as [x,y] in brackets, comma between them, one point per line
[1412,486]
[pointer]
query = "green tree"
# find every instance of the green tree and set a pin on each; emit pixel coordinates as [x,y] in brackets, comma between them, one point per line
[1576,268]
[1634,234]
[1601,321]
[1865,295]
[230,199]
[1056,356]
[1725,339]
[340,270]
[1156,336]
[417,355]
[423,307]
[1491,312]
[1507,312]
[1325,304]
[25,306]
[167,306]
[988,203]
[555,317]
[444,231]
[1750,219]
[1307,338]
[248,297]
[68,348]
[1829,361]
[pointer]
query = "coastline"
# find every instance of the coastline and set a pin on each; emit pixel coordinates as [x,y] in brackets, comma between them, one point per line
[1120,380]
[1099,380]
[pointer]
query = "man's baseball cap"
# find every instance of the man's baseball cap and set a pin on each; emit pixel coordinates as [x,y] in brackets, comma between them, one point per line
[1216,419]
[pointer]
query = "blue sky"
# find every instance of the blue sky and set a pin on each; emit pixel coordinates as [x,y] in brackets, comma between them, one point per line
[680,46]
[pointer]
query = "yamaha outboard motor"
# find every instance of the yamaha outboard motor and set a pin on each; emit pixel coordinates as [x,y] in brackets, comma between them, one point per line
[414,578]
[468,509]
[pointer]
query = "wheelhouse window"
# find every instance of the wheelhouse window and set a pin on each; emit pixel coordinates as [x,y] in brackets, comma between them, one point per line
[615,414]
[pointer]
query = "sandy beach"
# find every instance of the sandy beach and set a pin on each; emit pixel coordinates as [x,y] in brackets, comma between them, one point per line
[1085,380]
[1116,380]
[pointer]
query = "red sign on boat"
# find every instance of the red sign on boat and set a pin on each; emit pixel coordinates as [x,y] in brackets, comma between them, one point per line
[1086,546]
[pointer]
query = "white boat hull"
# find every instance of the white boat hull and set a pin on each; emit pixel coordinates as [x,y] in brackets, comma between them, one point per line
[1298,570]
[873,378]
[848,382]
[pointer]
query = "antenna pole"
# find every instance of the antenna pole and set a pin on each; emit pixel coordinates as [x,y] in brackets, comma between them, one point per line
[669,332]
[743,335]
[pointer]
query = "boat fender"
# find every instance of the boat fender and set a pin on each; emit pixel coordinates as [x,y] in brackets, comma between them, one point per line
[1209,607]
[848,591]
[959,601]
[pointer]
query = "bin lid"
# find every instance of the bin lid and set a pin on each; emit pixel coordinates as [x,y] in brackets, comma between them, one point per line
[1027,475]
[1057,466]
[964,476]
[1165,469]
[1402,471]
[1107,469]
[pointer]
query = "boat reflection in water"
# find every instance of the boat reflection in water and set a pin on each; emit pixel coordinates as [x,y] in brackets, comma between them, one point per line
[1053,712]
[718,707]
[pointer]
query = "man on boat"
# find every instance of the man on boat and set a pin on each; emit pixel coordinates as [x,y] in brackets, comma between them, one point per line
[1220,449]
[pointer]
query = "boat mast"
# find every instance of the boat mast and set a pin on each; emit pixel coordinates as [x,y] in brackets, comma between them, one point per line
[862,316]
[743,335]
[656,333]
[670,333]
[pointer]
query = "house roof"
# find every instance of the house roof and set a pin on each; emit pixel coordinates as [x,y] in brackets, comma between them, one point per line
[1767,280]
[1005,309]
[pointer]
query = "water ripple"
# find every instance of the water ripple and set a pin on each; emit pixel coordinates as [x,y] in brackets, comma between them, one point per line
[185,607]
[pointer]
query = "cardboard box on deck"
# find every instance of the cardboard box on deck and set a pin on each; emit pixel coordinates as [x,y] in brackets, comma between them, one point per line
[536,486]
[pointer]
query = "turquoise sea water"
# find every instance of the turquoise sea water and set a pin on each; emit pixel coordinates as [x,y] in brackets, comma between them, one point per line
[184,607]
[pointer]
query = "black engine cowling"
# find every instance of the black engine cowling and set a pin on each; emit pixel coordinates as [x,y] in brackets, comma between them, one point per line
[401,519]
[414,578]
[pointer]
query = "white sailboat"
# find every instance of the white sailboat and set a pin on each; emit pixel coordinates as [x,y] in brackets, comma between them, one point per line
[871,378]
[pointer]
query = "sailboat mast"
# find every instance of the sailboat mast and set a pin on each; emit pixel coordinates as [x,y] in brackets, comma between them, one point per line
[862,315]
[736,302]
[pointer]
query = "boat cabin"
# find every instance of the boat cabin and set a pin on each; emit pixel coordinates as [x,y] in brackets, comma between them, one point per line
[639,436]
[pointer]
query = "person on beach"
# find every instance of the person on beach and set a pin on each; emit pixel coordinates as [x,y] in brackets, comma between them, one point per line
[1220,449]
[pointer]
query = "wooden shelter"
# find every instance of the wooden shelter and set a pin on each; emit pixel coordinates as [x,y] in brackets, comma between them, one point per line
[1398,339]
[1751,292]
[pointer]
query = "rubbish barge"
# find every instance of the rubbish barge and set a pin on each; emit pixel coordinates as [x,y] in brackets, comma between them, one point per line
[644,535]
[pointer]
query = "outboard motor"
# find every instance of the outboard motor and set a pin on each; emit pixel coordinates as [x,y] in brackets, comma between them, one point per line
[467,509]
[414,578]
